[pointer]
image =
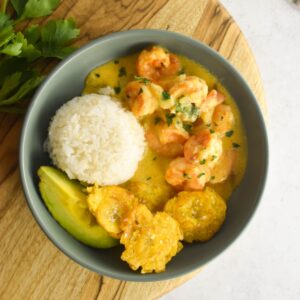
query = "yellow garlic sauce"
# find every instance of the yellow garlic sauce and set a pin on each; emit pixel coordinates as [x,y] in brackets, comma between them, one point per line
[152,168]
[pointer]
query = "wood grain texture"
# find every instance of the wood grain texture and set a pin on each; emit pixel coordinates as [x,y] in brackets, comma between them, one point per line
[30,265]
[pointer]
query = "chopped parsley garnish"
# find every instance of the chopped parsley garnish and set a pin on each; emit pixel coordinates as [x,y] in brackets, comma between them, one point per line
[154,158]
[201,174]
[236,145]
[97,75]
[142,79]
[178,107]
[187,176]
[187,108]
[211,131]
[182,71]
[117,90]
[187,127]
[148,178]
[169,118]
[157,120]
[213,157]
[165,95]
[194,110]
[203,161]
[229,133]
[116,62]
[122,72]
[212,177]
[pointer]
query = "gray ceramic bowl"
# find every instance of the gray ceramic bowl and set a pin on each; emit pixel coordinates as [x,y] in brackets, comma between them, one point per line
[67,80]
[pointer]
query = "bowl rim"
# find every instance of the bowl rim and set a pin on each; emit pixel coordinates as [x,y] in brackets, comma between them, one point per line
[137,276]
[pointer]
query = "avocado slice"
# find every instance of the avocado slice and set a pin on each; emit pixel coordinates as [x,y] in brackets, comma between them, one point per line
[66,201]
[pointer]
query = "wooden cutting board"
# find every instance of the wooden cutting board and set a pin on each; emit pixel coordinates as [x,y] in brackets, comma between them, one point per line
[31,267]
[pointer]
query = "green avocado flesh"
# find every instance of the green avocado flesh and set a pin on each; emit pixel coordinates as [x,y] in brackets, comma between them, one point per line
[67,203]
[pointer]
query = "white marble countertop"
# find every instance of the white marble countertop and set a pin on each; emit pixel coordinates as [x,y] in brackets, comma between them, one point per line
[264,263]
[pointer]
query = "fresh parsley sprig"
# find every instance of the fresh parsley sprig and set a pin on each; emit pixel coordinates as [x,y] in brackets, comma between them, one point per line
[22,52]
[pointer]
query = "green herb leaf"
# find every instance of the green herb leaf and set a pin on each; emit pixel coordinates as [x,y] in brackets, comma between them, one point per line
[187,127]
[32,34]
[165,95]
[19,46]
[201,174]
[30,52]
[188,109]
[13,48]
[169,118]
[10,65]
[18,50]
[34,8]
[18,5]
[195,110]
[23,90]
[6,29]
[203,161]
[122,72]
[117,90]
[178,107]
[229,133]
[236,145]
[52,38]
[142,79]
[154,158]
[211,131]
[182,71]
[212,177]
[213,157]
[9,84]
[55,35]
[148,178]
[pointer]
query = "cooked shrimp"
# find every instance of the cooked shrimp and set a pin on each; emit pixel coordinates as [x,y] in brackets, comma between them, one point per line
[156,63]
[167,82]
[213,99]
[197,127]
[168,128]
[172,149]
[204,147]
[191,87]
[223,119]
[172,133]
[223,167]
[183,174]
[176,170]
[143,97]
[200,175]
